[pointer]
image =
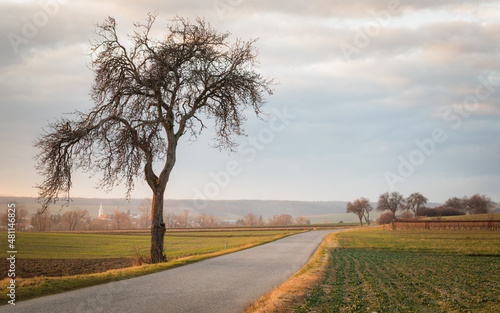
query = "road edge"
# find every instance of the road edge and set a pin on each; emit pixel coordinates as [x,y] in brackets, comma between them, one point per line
[295,289]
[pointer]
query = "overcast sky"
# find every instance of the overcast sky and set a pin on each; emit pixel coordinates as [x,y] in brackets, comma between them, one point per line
[373,96]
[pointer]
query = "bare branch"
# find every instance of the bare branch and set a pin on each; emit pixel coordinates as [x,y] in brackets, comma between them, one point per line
[147,95]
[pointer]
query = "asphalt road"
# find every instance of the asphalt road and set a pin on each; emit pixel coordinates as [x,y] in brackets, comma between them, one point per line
[223,284]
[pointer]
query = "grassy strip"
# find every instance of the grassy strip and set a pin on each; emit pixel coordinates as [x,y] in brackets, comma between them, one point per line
[293,291]
[42,286]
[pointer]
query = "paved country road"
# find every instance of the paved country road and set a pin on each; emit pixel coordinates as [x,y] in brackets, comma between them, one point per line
[223,284]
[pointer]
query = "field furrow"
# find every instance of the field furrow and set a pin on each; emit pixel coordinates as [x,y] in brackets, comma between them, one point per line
[369,280]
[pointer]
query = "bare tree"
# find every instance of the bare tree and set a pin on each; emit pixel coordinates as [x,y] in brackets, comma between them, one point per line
[251,220]
[170,219]
[98,224]
[42,221]
[393,202]
[302,221]
[479,204]
[457,204]
[365,203]
[415,202]
[205,220]
[183,219]
[261,222]
[362,208]
[121,220]
[146,98]
[145,209]
[282,219]
[73,218]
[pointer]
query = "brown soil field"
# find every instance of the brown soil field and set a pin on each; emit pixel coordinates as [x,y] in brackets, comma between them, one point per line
[26,268]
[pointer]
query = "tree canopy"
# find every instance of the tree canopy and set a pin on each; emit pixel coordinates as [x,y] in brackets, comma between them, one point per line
[147,94]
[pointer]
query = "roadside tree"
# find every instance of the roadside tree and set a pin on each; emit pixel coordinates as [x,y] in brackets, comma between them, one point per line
[148,94]
[362,208]
[391,202]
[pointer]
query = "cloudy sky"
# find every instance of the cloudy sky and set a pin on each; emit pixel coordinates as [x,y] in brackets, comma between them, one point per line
[373,96]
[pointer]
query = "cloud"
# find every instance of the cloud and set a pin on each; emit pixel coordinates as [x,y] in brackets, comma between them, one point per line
[355,114]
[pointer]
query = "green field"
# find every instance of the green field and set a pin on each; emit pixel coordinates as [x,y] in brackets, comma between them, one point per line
[467,242]
[71,245]
[410,271]
[181,248]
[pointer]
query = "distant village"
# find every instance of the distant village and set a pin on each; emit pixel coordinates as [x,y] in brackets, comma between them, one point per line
[81,220]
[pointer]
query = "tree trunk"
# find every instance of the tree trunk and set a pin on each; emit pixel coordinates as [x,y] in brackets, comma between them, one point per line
[157,228]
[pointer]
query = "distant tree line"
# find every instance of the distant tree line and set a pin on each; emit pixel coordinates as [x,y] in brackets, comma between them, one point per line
[415,206]
[79,219]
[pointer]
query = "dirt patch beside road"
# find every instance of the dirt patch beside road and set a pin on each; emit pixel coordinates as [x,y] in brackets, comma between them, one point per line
[27,268]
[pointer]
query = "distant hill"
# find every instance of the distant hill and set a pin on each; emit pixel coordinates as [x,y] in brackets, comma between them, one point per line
[231,209]
[223,208]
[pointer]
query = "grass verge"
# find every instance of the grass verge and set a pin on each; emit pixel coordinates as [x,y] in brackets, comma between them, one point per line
[42,286]
[293,291]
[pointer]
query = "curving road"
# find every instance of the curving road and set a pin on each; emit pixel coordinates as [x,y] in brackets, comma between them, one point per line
[223,284]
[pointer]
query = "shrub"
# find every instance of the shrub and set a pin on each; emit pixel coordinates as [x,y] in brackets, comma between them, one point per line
[140,258]
[406,215]
[439,211]
[386,218]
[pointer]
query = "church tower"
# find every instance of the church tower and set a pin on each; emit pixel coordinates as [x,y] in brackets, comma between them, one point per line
[101,212]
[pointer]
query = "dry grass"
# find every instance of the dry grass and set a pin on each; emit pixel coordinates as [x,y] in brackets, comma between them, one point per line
[293,292]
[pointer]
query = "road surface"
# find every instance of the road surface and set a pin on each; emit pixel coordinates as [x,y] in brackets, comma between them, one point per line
[223,284]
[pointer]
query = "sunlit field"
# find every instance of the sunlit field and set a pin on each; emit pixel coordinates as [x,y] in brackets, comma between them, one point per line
[410,271]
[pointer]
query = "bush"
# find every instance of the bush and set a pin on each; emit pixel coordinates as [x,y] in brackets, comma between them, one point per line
[386,218]
[140,258]
[406,215]
[439,211]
